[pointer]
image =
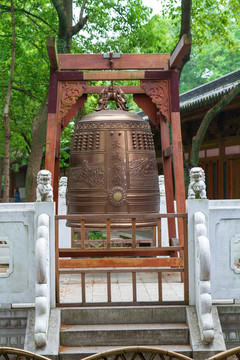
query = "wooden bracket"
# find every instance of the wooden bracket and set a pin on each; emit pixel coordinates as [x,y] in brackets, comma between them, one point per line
[158,90]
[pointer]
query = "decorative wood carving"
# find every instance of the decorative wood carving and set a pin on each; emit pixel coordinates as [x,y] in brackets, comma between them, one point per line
[70,92]
[159,94]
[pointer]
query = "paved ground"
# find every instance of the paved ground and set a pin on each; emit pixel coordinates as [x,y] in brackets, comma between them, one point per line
[121,288]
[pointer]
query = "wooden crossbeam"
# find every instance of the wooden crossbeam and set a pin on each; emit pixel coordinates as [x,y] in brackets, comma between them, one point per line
[180,51]
[120,216]
[121,262]
[52,53]
[124,62]
[113,75]
[117,252]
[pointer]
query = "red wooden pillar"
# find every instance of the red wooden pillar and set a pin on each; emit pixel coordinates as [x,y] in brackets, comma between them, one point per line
[177,151]
[52,125]
[150,109]
[51,143]
[168,174]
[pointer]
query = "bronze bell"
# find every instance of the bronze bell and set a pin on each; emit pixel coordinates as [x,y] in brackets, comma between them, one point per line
[113,169]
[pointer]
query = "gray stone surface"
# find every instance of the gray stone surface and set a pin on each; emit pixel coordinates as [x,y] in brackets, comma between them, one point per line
[230,320]
[52,347]
[86,331]
[118,315]
[77,353]
[203,351]
[124,334]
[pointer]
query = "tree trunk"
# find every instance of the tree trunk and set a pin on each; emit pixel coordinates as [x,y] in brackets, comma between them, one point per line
[38,139]
[6,120]
[1,174]
[197,140]
[40,121]
[185,30]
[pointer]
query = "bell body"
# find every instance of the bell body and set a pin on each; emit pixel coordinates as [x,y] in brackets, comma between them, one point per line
[113,169]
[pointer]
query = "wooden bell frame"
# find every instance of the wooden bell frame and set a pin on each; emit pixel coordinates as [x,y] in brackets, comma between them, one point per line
[157,95]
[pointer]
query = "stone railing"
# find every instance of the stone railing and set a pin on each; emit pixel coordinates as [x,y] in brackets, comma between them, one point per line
[42,289]
[26,281]
[203,283]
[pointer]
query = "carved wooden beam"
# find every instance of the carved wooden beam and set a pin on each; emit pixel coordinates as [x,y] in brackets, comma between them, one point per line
[52,53]
[180,51]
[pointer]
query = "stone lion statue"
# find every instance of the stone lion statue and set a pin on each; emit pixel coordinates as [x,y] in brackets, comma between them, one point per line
[44,187]
[62,186]
[197,186]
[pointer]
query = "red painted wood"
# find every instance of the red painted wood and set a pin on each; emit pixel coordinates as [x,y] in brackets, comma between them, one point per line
[126,61]
[120,262]
[51,143]
[180,51]
[119,252]
[56,167]
[52,92]
[174,91]
[125,89]
[146,104]
[157,75]
[52,52]
[167,170]
[178,169]
[70,75]
[210,181]
[120,216]
[73,111]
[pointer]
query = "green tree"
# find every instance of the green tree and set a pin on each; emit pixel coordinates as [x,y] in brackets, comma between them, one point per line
[34,22]
[6,117]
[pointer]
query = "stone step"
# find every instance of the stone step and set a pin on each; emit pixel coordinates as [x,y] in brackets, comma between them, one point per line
[124,334]
[121,315]
[76,353]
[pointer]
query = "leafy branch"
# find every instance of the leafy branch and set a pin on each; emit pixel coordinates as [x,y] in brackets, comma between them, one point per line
[8,9]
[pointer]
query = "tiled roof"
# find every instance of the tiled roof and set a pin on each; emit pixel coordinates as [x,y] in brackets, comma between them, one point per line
[209,92]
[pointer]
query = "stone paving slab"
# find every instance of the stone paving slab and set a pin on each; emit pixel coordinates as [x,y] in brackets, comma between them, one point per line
[121,287]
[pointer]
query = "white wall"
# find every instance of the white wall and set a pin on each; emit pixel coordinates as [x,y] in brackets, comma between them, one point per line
[18,227]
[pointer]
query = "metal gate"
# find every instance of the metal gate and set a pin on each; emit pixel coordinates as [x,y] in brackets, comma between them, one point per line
[111,256]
